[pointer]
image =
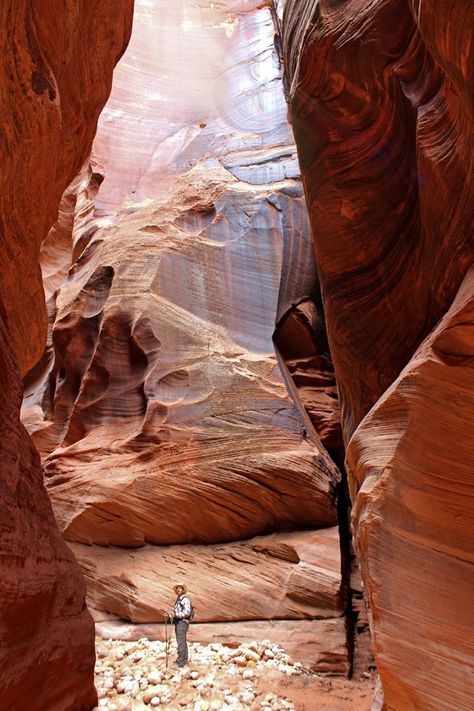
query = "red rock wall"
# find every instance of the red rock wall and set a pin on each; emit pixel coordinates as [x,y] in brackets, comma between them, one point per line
[56,60]
[159,405]
[381,104]
[412,480]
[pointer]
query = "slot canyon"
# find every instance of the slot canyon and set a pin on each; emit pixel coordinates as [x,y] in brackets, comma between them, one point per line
[237,349]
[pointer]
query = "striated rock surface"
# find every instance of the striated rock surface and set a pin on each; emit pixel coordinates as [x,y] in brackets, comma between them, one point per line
[57,68]
[411,468]
[381,109]
[171,422]
[159,406]
[57,61]
[226,582]
[381,104]
[45,628]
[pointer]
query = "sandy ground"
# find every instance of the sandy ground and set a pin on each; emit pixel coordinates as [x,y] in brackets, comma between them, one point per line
[311,692]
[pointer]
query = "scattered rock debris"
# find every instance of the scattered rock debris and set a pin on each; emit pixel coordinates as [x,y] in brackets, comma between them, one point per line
[133,676]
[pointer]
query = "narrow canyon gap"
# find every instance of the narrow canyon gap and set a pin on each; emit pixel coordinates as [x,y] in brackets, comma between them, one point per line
[170,442]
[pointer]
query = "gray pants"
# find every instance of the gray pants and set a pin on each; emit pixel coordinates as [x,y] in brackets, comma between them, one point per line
[181,630]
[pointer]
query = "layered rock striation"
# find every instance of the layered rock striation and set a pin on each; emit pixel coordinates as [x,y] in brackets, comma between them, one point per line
[159,406]
[411,468]
[381,105]
[57,64]
[161,383]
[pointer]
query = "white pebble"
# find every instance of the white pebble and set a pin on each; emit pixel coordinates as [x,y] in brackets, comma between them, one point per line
[154,677]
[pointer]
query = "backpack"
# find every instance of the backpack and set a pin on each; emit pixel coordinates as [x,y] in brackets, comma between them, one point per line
[190,617]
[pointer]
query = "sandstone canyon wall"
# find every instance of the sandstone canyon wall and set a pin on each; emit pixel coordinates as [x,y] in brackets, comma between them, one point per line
[57,60]
[159,406]
[381,100]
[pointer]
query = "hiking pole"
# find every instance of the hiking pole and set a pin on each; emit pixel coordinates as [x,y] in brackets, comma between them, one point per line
[167,638]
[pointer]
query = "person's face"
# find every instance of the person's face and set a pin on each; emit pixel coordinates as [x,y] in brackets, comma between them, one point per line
[179,590]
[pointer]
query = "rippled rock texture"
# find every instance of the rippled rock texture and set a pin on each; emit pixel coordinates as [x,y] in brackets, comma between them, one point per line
[57,66]
[305,567]
[159,405]
[381,104]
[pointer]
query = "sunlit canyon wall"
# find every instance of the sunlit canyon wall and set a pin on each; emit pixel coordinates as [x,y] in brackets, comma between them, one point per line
[172,448]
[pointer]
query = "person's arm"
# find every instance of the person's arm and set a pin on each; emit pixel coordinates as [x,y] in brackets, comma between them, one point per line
[185,610]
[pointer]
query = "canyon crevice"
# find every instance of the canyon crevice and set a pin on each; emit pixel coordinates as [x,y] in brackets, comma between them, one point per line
[236,298]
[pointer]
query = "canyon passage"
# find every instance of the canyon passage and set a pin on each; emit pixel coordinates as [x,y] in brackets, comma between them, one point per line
[237,338]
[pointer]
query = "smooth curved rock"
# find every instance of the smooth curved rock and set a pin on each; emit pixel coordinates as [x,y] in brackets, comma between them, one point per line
[45,628]
[161,370]
[228,103]
[163,377]
[57,60]
[57,68]
[411,466]
[381,104]
[381,107]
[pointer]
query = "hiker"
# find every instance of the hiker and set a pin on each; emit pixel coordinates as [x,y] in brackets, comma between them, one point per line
[182,615]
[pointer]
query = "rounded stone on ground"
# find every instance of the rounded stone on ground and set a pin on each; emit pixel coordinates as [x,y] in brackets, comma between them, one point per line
[247,697]
[253,656]
[154,676]
[201,705]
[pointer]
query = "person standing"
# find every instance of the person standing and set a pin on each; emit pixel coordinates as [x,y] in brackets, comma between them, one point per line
[182,615]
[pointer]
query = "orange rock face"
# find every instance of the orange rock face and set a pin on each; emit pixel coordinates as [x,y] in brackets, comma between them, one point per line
[381,103]
[178,399]
[159,406]
[411,467]
[56,72]
[304,566]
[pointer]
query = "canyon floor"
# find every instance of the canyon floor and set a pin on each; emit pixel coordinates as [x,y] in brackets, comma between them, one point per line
[134,676]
